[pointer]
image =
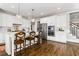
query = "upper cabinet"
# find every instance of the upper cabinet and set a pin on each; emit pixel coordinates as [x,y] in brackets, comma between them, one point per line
[58,20]
[61,20]
[49,20]
[9,20]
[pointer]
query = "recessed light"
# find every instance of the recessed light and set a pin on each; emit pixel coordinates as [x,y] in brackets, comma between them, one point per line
[42,13]
[32,20]
[12,6]
[29,13]
[58,8]
[18,16]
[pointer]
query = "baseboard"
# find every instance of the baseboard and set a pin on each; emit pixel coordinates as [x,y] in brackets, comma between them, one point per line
[73,40]
[57,41]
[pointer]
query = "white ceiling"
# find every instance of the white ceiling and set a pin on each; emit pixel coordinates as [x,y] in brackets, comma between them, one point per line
[40,9]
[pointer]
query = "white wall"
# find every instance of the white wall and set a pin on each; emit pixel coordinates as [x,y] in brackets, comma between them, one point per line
[59,21]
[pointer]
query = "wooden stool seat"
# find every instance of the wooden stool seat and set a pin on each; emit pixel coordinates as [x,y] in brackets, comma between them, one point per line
[18,41]
[29,38]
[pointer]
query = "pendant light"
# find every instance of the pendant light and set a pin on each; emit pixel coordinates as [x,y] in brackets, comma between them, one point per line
[18,15]
[33,19]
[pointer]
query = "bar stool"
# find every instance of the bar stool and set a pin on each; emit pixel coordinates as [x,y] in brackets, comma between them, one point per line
[31,38]
[32,34]
[19,40]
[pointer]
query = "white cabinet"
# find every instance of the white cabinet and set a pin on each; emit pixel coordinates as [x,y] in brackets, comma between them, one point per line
[59,21]
[49,20]
[61,36]
[9,20]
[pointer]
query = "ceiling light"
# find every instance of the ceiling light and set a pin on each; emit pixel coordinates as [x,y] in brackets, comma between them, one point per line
[12,6]
[42,13]
[33,20]
[58,8]
[18,16]
[29,13]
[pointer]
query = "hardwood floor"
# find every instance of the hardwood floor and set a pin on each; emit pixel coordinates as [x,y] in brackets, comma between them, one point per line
[3,53]
[2,50]
[72,49]
[52,48]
